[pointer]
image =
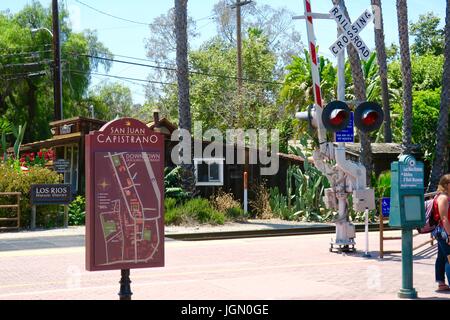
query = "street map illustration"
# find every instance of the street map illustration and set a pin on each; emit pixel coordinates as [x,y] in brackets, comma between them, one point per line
[128,208]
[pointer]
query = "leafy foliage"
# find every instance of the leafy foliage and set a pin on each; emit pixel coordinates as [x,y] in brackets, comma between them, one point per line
[172,183]
[428,37]
[12,180]
[77,211]
[26,93]
[193,211]
[426,106]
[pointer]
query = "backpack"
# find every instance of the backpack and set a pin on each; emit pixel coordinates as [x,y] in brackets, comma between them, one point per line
[430,222]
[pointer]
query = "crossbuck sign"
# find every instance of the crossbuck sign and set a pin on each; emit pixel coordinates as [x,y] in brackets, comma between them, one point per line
[350,32]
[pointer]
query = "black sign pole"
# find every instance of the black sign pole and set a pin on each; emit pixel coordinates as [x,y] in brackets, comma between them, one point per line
[125,288]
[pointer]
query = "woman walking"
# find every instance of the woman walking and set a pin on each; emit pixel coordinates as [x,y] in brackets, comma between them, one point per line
[442,214]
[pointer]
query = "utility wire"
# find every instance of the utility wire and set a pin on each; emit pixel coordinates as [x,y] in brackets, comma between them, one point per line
[174,69]
[121,78]
[24,53]
[113,16]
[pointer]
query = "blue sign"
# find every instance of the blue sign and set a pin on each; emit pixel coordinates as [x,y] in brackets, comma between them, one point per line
[385,206]
[346,135]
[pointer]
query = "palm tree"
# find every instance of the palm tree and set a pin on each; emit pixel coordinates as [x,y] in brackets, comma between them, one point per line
[440,163]
[360,95]
[184,108]
[382,63]
[402,16]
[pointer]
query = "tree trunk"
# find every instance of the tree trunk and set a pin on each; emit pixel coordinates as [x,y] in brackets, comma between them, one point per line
[360,95]
[382,63]
[402,16]
[440,163]
[184,108]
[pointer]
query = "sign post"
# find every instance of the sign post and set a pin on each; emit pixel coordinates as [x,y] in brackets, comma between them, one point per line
[124,199]
[407,211]
[45,194]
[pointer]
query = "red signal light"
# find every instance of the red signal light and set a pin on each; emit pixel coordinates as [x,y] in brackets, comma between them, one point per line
[370,117]
[337,117]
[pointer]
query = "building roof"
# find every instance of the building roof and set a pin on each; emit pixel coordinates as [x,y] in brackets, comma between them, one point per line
[75,119]
[55,141]
[164,126]
[377,148]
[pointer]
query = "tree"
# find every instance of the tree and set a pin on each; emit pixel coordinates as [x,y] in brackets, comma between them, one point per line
[184,107]
[111,100]
[402,16]
[382,63]
[26,86]
[440,163]
[360,95]
[428,38]
[275,23]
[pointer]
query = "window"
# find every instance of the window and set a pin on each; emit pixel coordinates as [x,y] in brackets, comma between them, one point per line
[209,172]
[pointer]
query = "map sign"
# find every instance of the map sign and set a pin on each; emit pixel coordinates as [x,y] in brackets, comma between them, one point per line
[125,218]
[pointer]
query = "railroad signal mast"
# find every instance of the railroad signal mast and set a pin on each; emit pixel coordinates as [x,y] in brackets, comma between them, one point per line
[346,177]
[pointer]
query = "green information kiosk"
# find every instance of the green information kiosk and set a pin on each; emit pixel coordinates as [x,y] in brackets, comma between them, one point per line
[407,212]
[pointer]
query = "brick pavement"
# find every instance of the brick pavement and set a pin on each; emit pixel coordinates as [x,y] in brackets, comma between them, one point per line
[293,267]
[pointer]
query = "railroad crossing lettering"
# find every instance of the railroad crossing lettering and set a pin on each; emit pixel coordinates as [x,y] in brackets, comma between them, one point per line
[351,32]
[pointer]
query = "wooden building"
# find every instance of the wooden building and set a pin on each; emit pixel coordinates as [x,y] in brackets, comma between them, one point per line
[212,174]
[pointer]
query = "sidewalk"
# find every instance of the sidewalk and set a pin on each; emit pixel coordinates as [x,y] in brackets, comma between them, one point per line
[291,267]
[74,236]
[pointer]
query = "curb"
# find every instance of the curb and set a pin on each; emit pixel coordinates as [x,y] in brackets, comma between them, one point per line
[223,235]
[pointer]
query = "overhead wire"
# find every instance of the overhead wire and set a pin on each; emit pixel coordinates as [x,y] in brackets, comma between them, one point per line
[111,15]
[174,69]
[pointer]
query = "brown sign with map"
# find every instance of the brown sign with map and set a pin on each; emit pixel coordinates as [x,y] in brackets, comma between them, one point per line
[124,197]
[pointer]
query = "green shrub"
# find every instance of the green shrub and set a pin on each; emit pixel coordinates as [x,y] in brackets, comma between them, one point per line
[77,211]
[169,203]
[235,213]
[194,211]
[12,180]
[172,183]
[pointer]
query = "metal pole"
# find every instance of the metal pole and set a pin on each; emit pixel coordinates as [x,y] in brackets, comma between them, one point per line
[407,291]
[33,217]
[125,288]
[66,216]
[57,91]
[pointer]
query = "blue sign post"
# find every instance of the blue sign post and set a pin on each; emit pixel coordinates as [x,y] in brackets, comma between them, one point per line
[347,134]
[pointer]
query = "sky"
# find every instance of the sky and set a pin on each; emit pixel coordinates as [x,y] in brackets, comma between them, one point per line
[128,39]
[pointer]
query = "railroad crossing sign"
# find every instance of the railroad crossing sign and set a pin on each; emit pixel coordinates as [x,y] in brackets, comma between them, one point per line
[350,32]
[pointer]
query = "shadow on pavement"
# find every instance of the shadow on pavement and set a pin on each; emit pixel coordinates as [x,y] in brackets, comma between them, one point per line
[42,243]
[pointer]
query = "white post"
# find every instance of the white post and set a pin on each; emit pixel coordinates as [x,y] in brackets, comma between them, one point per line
[245,192]
[366,213]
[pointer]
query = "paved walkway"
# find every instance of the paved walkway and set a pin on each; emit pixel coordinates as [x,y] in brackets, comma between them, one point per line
[291,267]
